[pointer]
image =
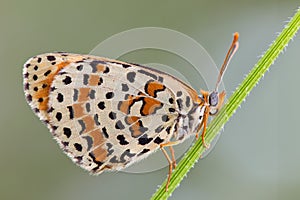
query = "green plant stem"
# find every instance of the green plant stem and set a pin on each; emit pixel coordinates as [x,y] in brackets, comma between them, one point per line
[231,106]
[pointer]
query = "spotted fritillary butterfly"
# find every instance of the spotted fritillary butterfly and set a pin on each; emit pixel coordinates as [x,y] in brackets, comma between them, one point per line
[107,114]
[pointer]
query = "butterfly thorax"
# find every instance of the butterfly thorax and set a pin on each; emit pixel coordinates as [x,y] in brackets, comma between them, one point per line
[188,124]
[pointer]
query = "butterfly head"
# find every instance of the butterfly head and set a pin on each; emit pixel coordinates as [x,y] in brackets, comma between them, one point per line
[213,98]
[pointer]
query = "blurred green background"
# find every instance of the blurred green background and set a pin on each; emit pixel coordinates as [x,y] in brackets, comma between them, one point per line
[257,156]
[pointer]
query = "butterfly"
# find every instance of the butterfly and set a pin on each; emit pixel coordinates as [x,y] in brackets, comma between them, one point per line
[107,114]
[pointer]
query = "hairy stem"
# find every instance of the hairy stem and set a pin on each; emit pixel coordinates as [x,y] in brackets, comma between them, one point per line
[231,106]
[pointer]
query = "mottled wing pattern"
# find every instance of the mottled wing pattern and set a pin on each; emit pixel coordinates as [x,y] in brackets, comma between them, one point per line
[105,114]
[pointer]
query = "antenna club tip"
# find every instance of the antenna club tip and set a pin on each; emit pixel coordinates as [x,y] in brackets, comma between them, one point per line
[236,36]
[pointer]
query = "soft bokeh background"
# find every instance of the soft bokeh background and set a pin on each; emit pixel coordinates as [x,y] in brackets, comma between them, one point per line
[257,156]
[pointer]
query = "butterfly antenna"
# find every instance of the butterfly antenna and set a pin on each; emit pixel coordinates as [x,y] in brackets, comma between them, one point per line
[233,48]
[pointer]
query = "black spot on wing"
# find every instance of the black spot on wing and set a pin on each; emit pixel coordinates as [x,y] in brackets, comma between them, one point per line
[106,70]
[160,79]
[58,116]
[78,147]
[126,154]
[67,132]
[75,95]
[95,63]
[131,76]
[179,103]
[168,129]
[165,118]
[122,140]
[50,58]
[47,72]
[143,152]
[187,101]
[104,131]
[147,74]
[159,129]
[101,105]
[67,80]
[179,93]
[119,125]
[171,110]
[158,140]
[89,141]
[125,87]
[92,94]
[86,79]
[96,119]
[143,140]
[82,124]
[109,95]
[29,98]
[60,97]
[71,112]
[126,65]
[112,115]
[79,67]
[109,149]
[88,107]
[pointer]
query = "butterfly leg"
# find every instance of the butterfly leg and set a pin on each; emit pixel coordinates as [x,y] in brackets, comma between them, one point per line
[201,125]
[172,162]
[173,157]
[170,167]
[205,100]
[205,118]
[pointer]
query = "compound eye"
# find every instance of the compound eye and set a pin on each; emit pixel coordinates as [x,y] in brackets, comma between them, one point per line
[213,99]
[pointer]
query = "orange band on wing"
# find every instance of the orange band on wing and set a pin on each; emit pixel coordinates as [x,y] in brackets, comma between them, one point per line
[44,92]
[152,87]
[150,106]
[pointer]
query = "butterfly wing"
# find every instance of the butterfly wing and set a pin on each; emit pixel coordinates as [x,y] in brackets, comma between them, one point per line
[105,114]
